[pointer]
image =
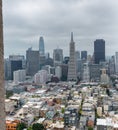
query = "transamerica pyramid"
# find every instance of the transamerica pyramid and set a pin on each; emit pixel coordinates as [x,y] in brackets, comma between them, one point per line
[72,76]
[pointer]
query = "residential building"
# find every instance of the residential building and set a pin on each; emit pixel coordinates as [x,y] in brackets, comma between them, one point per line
[9,106]
[11,124]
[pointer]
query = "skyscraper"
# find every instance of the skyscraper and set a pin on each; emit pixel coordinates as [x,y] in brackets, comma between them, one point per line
[58,56]
[15,62]
[72,62]
[77,55]
[86,74]
[2,91]
[112,65]
[84,55]
[99,51]
[32,62]
[116,62]
[15,65]
[41,46]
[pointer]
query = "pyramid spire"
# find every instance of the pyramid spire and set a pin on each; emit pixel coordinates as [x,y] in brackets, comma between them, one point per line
[72,76]
[71,36]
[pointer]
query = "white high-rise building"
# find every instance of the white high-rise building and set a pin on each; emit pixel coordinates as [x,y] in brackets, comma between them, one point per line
[86,74]
[41,77]
[58,71]
[19,76]
[116,62]
[104,77]
[72,75]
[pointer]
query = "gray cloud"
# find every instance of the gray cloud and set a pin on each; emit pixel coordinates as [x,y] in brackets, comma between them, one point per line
[26,20]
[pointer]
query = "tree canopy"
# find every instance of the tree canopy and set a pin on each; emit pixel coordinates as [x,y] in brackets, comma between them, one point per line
[37,126]
[21,126]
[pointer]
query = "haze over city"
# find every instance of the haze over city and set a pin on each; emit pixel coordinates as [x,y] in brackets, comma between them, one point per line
[59,65]
[25,21]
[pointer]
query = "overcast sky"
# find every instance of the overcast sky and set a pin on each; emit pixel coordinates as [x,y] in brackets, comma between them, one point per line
[26,20]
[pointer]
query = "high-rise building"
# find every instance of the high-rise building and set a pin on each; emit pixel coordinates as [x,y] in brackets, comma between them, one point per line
[77,55]
[84,55]
[79,67]
[18,57]
[112,65]
[64,68]
[13,63]
[72,76]
[32,62]
[2,89]
[66,60]
[47,55]
[99,51]
[49,61]
[95,72]
[42,60]
[116,62]
[41,77]
[104,77]
[41,46]
[19,76]
[58,56]
[86,74]
[58,71]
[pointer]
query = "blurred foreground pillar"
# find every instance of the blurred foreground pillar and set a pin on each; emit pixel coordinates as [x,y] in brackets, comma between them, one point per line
[2,88]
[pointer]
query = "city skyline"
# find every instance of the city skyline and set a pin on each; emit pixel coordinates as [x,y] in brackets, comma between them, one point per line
[89,20]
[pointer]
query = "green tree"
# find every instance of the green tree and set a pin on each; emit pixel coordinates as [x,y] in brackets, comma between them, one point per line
[21,126]
[38,126]
[62,110]
[30,128]
[9,93]
[90,128]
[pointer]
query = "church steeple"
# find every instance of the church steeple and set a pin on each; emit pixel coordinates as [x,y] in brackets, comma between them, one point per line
[71,36]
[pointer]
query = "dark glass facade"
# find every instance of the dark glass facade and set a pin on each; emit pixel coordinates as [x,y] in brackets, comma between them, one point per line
[99,51]
[32,62]
[15,65]
[84,55]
